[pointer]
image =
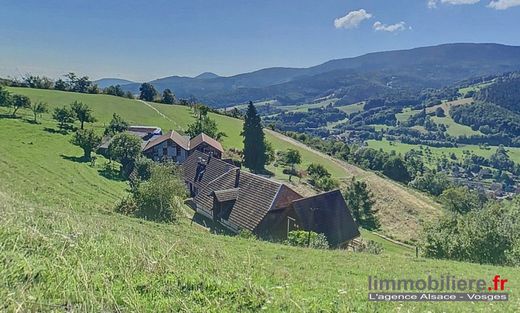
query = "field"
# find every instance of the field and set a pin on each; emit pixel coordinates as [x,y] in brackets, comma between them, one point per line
[352,108]
[63,249]
[52,155]
[514,153]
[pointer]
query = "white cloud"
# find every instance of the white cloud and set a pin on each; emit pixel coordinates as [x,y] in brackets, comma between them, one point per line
[432,4]
[352,19]
[503,4]
[378,26]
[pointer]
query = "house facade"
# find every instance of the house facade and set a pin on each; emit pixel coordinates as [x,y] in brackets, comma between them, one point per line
[176,148]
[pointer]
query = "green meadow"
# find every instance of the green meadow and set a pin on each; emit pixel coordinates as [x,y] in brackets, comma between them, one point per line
[402,148]
[63,249]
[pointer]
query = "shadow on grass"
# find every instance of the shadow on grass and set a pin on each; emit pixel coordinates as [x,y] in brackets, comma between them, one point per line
[110,173]
[75,159]
[213,226]
[10,116]
[31,121]
[56,131]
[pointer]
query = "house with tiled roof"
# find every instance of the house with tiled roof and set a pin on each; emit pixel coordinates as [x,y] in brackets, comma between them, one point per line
[239,200]
[174,147]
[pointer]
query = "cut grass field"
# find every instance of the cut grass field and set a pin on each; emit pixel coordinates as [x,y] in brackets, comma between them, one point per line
[62,248]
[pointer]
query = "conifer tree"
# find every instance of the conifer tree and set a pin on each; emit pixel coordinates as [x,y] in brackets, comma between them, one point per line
[254,142]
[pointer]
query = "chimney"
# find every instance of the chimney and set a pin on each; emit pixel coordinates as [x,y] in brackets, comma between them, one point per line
[237,177]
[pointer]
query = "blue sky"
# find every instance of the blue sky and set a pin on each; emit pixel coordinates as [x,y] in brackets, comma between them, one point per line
[144,40]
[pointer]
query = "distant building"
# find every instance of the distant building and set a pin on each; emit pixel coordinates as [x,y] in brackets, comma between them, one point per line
[240,200]
[146,133]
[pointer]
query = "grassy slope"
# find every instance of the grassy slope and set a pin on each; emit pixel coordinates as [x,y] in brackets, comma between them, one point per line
[62,259]
[402,224]
[62,250]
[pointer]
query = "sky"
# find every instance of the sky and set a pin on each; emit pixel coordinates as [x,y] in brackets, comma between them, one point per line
[145,40]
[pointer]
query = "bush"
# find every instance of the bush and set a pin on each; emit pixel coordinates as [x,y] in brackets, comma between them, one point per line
[326,183]
[159,198]
[488,235]
[370,246]
[310,239]
[246,234]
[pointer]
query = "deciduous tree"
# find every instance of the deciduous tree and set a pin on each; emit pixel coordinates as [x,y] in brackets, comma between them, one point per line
[64,116]
[168,97]
[83,113]
[148,92]
[19,102]
[38,108]
[87,140]
[125,148]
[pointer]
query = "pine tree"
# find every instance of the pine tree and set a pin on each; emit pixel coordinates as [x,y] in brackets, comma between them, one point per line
[254,142]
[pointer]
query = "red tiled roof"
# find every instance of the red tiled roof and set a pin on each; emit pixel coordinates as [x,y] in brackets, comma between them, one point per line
[197,140]
[171,135]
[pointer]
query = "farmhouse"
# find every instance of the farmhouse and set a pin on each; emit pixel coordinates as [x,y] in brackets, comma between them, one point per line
[170,146]
[240,200]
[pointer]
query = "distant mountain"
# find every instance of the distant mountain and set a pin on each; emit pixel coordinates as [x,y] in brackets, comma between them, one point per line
[353,79]
[206,75]
[105,82]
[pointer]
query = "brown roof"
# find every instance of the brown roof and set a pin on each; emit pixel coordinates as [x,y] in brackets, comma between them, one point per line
[171,135]
[197,140]
[201,174]
[226,194]
[255,196]
[327,213]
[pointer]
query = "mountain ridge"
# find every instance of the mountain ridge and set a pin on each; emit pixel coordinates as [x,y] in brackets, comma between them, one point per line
[373,74]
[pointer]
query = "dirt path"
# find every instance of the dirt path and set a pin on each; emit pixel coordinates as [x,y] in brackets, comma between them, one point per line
[160,113]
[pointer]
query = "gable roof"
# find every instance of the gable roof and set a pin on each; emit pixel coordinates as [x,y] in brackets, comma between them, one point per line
[200,169]
[327,213]
[171,135]
[254,197]
[197,140]
[226,194]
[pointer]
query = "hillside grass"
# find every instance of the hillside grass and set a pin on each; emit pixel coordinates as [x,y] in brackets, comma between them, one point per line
[403,223]
[63,249]
[65,259]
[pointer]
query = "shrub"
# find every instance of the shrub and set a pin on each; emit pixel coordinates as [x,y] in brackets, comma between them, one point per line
[158,198]
[326,183]
[246,234]
[310,239]
[488,235]
[370,246]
